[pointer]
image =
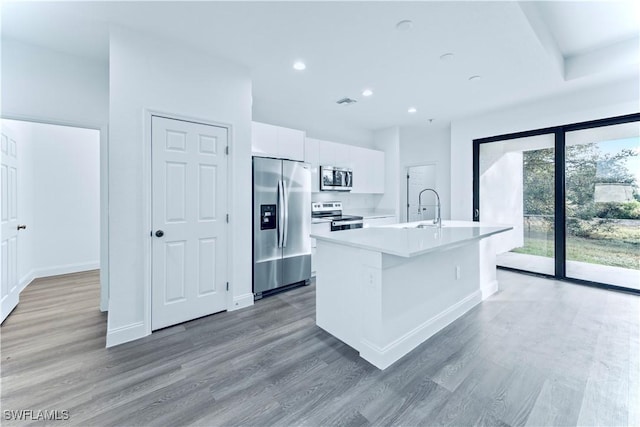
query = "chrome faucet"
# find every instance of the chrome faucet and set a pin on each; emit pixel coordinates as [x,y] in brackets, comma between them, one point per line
[438,219]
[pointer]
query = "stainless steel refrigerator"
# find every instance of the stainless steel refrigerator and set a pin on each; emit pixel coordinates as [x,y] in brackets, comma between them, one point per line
[281,224]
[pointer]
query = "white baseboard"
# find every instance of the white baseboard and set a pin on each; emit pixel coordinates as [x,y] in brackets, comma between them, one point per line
[125,334]
[489,289]
[27,279]
[382,358]
[67,269]
[38,273]
[241,301]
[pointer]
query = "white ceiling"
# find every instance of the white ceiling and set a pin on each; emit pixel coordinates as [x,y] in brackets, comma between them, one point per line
[349,46]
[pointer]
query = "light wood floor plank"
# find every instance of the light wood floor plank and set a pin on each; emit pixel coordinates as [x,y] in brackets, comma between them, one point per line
[538,353]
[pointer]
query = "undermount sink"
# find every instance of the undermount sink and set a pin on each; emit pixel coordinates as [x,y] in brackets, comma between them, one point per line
[423,225]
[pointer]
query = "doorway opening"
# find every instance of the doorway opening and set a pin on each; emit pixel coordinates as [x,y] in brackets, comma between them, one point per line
[420,177]
[55,198]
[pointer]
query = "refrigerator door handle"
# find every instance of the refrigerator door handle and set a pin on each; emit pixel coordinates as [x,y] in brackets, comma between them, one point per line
[281,218]
[286,215]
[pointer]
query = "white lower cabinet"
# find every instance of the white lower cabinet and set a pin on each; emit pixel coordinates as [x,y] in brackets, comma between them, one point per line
[318,228]
[377,222]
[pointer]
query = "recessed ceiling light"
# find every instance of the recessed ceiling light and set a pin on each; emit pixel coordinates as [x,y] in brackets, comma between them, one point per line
[446,56]
[412,110]
[367,92]
[299,65]
[474,78]
[404,25]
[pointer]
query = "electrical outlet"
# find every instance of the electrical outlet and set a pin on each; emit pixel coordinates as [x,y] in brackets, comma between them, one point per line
[457,272]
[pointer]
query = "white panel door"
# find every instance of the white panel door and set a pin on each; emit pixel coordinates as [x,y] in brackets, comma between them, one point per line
[419,178]
[189,207]
[9,208]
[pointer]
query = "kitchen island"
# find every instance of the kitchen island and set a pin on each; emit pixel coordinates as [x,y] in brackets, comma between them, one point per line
[385,290]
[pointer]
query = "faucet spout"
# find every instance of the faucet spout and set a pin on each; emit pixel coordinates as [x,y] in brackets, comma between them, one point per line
[438,219]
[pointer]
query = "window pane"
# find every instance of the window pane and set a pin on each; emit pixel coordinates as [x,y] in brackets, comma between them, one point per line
[517,188]
[603,205]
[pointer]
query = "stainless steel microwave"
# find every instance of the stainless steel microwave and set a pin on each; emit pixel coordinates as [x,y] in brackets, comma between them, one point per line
[335,179]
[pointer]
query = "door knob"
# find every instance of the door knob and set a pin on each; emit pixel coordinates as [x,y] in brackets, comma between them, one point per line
[22,227]
[159,233]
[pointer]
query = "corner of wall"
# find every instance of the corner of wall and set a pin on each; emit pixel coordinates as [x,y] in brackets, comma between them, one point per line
[125,334]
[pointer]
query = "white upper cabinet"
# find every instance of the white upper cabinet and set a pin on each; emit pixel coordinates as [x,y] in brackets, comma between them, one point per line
[291,143]
[311,156]
[376,171]
[264,139]
[275,141]
[368,170]
[368,165]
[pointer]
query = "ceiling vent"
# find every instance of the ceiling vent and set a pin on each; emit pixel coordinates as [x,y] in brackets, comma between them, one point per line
[346,101]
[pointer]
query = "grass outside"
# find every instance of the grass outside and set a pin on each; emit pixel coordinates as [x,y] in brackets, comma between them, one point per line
[618,247]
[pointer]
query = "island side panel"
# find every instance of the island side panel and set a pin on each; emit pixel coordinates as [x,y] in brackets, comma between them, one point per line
[488,276]
[418,297]
[339,289]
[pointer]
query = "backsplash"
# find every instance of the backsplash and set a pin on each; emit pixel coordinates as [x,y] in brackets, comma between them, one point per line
[349,200]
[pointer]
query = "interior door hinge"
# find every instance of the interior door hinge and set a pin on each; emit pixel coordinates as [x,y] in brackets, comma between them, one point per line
[227,218]
[227,286]
[226,150]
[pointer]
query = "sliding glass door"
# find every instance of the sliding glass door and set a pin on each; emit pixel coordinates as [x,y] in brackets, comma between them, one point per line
[602,173]
[517,188]
[572,195]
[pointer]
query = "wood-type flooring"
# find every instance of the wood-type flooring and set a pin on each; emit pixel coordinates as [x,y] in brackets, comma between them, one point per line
[537,353]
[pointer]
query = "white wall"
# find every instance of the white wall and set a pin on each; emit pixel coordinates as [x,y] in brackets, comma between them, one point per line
[43,85]
[52,86]
[421,146]
[502,201]
[388,140]
[605,101]
[148,73]
[67,198]
[58,199]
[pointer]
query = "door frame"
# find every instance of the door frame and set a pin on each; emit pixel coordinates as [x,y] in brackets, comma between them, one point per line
[559,133]
[406,183]
[147,200]
[103,128]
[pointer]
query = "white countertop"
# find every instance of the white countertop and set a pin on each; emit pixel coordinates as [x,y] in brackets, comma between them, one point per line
[408,242]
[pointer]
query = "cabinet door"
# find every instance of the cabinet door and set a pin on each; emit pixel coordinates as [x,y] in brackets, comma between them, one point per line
[318,228]
[290,144]
[342,155]
[376,179]
[326,153]
[264,139]
[311,157]
[358,162]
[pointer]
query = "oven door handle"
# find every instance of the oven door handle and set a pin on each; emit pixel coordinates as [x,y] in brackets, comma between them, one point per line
[340,223]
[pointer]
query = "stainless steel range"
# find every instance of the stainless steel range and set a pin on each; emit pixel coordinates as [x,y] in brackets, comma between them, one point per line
[332,211]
